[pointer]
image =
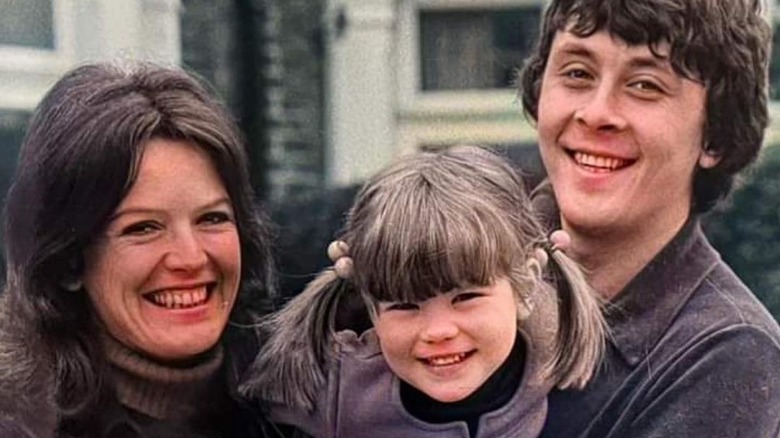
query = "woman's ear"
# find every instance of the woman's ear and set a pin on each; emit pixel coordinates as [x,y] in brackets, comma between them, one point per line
[709,159]
[71,283]
[72,280]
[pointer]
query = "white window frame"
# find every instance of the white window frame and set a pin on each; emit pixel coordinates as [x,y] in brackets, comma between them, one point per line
[440,117]
[89,30]
[26,71]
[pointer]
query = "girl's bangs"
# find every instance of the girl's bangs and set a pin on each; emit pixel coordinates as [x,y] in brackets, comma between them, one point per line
[430,241]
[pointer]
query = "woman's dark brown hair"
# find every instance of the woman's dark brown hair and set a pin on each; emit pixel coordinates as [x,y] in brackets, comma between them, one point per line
[78,160]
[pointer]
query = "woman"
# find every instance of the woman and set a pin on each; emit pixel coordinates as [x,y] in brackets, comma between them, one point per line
[136,264]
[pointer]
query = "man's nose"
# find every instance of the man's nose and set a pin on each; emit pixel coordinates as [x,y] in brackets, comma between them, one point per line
[601,110]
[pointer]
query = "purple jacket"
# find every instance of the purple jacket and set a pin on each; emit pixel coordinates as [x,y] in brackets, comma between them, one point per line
[362,397]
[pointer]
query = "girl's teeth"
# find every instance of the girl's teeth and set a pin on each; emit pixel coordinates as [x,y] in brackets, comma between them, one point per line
[447,360]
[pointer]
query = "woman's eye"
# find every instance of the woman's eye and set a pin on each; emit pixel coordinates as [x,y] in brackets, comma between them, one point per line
[216,217]
[140,229]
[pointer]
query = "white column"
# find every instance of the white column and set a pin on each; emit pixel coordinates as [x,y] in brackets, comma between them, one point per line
[360,114]
[161,35]
[137,29]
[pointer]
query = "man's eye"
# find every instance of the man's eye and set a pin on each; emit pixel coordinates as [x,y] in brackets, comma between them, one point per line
[646,86]
[576,73]
[140,229]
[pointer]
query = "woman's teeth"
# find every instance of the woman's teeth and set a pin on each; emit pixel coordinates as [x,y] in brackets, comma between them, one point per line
[180,299]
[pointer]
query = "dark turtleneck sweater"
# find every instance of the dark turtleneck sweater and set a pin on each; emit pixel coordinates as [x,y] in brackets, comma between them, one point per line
[155,398]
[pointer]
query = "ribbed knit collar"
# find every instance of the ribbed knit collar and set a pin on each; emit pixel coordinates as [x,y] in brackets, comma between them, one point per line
[161,390]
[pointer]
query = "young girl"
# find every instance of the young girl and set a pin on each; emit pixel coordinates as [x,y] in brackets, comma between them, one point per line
[469,332]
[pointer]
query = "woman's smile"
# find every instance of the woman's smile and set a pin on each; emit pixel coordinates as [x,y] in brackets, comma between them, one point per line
[165,275]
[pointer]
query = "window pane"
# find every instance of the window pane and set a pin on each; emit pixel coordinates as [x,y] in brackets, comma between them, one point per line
[475,49]
[27,23]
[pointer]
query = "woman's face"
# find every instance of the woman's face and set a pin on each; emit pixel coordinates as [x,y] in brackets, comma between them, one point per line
[164,275]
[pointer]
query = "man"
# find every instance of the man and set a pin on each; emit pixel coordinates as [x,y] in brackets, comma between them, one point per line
[646,110]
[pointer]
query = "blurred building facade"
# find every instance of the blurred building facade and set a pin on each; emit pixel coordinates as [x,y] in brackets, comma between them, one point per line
[41,39]
[326,91]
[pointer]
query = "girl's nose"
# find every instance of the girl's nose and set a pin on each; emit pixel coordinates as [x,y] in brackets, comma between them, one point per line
[439,328]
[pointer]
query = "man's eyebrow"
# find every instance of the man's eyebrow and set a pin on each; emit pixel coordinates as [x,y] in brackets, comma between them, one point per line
[574,49]
[651,61]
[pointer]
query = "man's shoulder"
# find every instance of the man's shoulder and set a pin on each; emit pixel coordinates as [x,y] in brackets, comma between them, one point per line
[712,372]
[723,303]
[686,293]
[722,322]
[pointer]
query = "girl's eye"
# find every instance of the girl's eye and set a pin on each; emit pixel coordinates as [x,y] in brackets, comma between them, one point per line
[215,217]
[465,296]
[402,306]
[140,228]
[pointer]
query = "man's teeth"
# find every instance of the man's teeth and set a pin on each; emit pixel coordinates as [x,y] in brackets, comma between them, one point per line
[446,360]
[599,162]
[180,299]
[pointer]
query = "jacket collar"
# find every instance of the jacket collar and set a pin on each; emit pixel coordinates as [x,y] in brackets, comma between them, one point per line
[645,309]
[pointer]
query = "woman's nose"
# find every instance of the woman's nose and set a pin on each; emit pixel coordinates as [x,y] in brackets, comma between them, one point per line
[185,252]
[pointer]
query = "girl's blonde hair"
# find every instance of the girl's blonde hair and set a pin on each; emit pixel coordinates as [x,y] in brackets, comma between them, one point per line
[427,224]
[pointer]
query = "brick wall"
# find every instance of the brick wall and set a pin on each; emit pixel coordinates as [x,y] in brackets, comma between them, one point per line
[265,58]
[297,140]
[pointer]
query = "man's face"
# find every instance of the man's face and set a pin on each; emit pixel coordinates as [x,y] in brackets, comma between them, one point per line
[620,135]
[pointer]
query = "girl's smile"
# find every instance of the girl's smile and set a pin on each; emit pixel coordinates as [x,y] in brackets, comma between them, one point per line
[449,345]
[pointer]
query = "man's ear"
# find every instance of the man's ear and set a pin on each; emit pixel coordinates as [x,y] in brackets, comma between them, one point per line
[709,159]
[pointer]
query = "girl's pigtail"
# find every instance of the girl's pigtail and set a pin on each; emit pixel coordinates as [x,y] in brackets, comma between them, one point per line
[581,333]
[290,368]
